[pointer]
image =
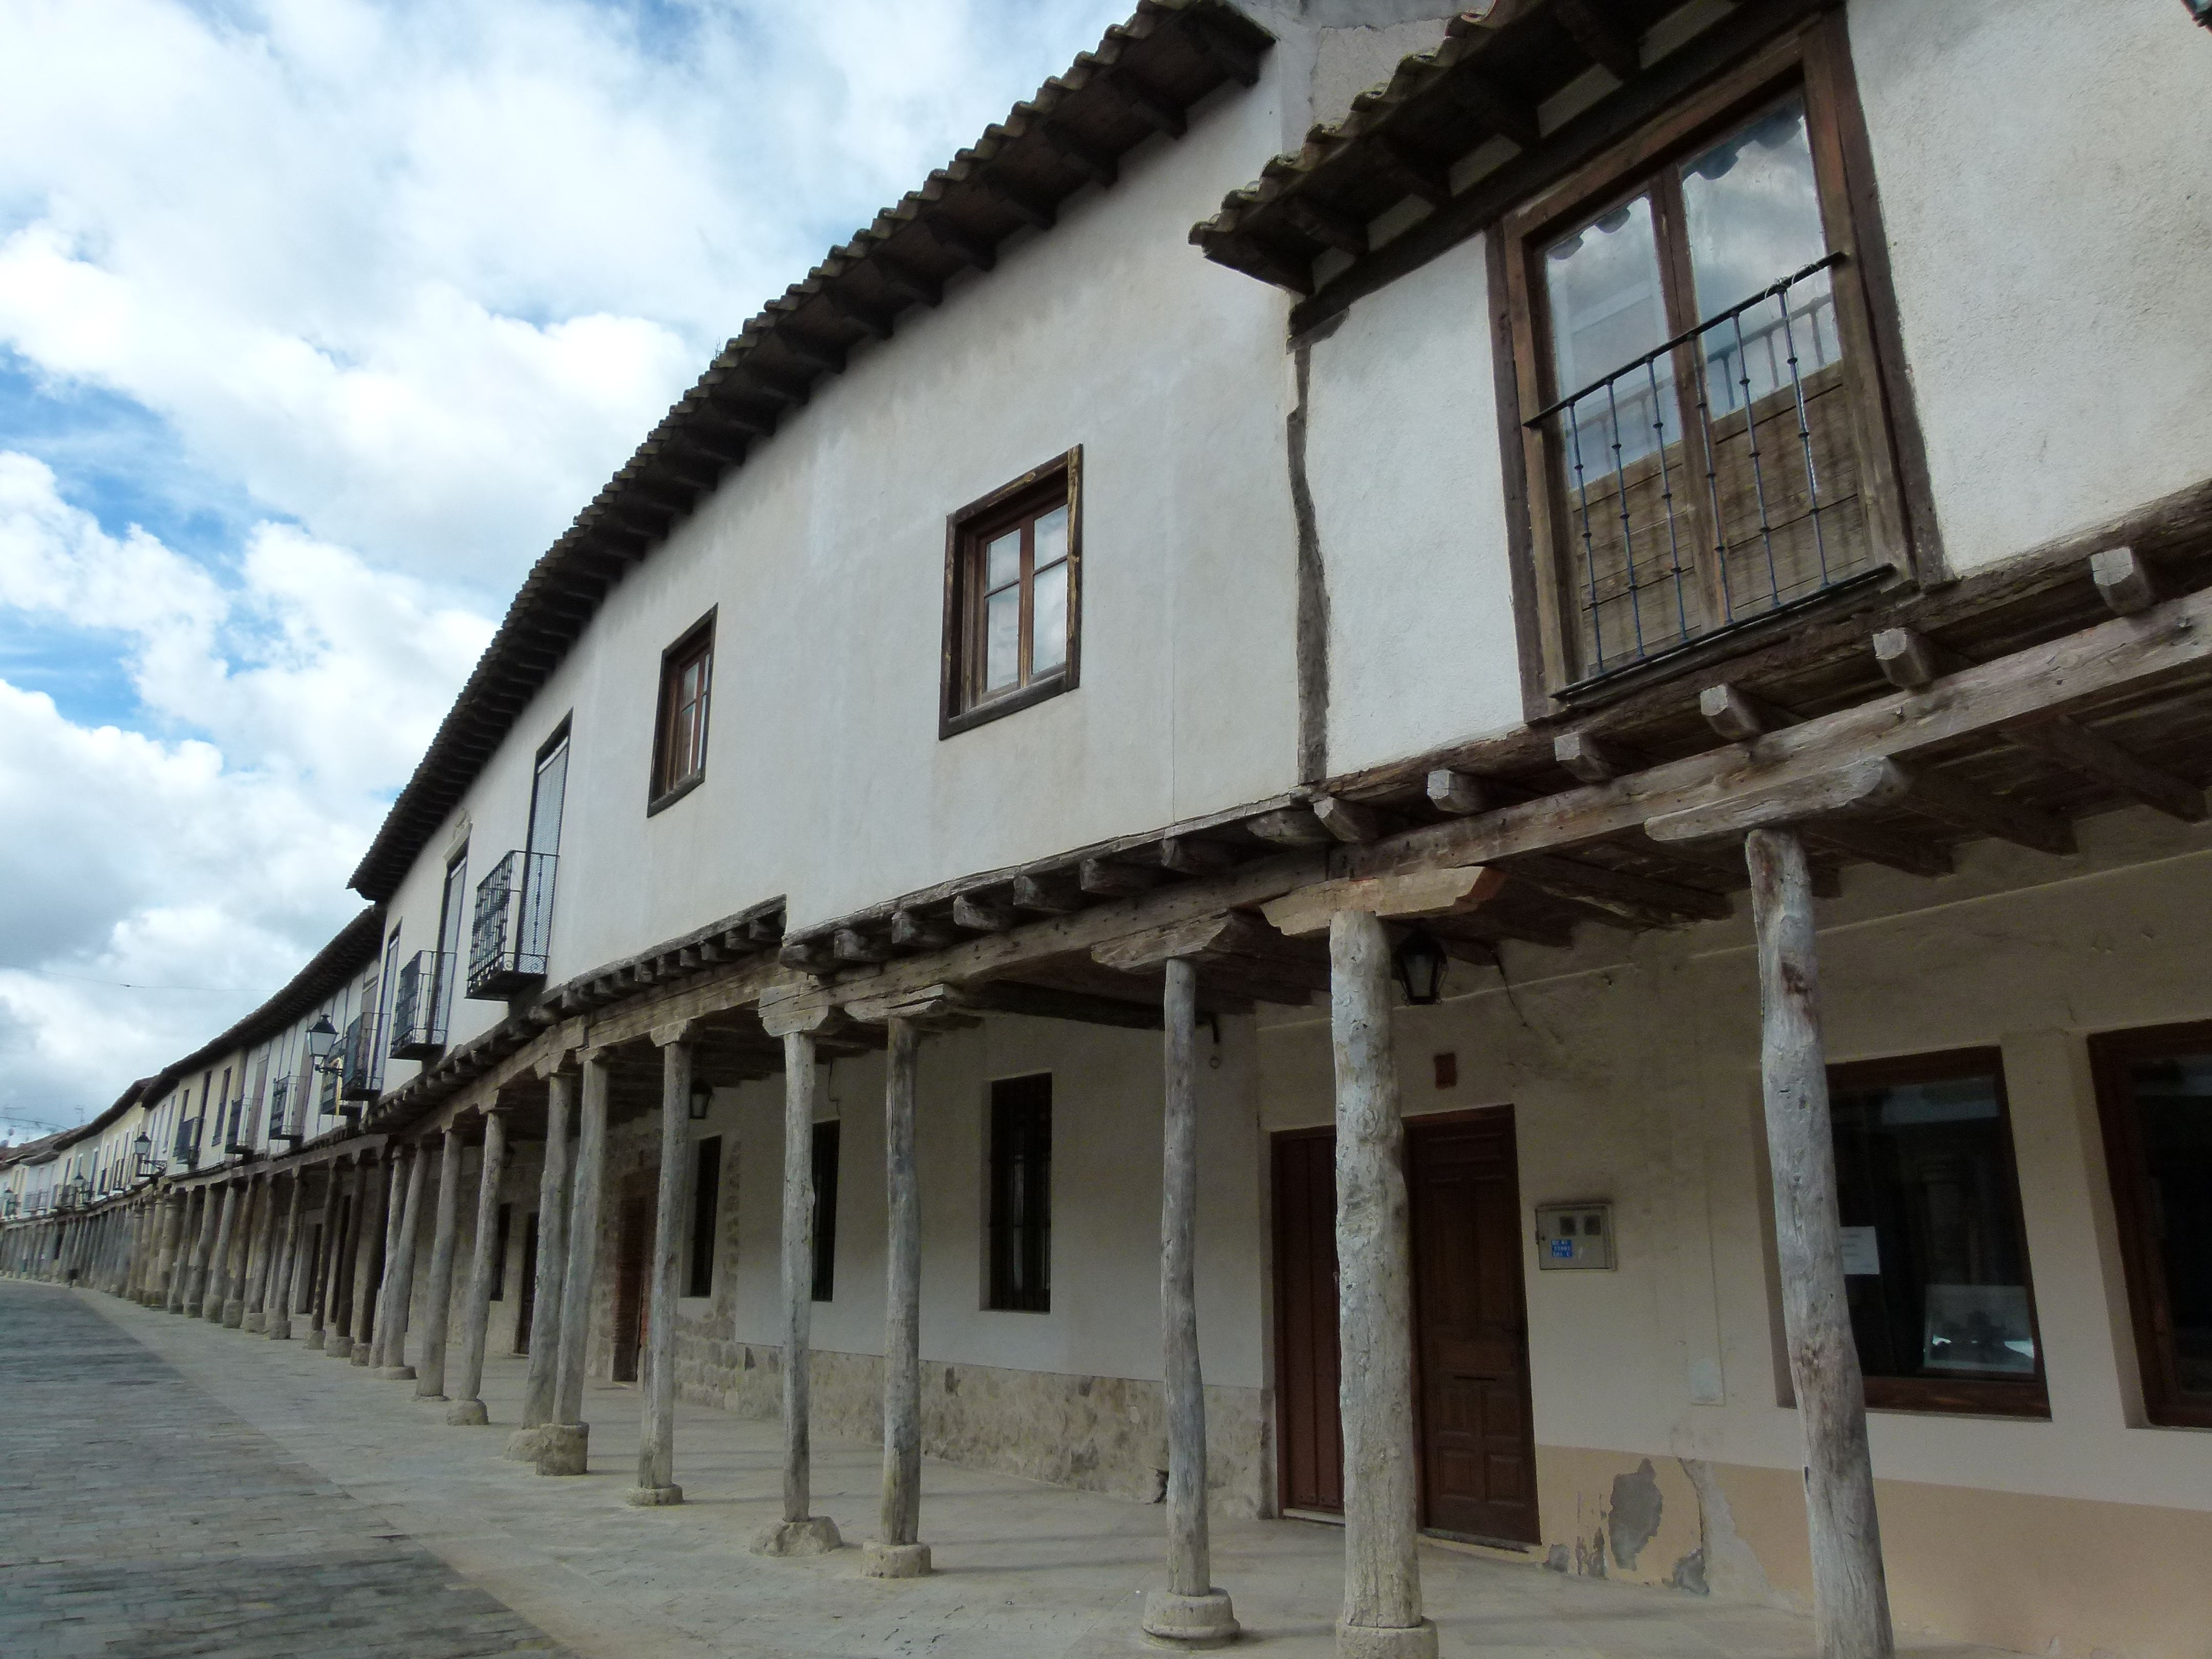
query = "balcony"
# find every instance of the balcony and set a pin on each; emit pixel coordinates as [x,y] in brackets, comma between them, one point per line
[187,1149]
[362,1078]
[513,923]
[281,1126]
[418,1018]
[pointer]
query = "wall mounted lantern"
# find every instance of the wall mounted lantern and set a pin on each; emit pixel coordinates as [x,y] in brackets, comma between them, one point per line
[1419,964]
[323,1046]
[702,1101]
[143,1147]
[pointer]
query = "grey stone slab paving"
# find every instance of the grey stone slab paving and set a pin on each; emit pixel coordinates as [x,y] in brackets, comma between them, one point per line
[140,1516]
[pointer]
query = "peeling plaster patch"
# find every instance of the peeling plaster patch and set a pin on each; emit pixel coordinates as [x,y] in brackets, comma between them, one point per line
[1556,1560]
[1689,1574]
[1726,1564]
[1633,1519]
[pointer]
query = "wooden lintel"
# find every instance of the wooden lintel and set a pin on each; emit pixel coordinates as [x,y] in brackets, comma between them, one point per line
[808,1011]
[1426,893]
[1224,930]
[926,1004]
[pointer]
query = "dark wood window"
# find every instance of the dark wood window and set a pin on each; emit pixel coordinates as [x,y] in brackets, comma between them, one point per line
[706,1201]
[1935,1257]
[1701,413]
[499,1252]
[679,739]
[1021,1195]
[2154,1095]
[1013,596]
[825,1212]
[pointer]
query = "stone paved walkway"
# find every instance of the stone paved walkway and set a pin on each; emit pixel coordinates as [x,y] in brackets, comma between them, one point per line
[140,1516]
[318,1489]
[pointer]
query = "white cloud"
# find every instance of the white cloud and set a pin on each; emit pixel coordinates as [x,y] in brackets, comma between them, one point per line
[410,279]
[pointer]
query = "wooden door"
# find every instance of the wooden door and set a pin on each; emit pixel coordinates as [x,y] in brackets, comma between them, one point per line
[1310,1464]
[1471,1328]
[526,1291]
[633,1243]
[1476,1447]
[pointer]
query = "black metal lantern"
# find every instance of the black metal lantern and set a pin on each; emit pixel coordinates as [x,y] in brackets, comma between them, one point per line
[322,1044]
[702,1101]
[1418,961]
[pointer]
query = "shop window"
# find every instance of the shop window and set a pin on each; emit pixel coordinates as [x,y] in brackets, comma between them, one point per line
[1935,1258]
[2155,1094]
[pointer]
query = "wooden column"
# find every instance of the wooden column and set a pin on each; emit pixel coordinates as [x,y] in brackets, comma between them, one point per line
[538,1391]
[438,1294]
[369,1230]
[218,1276]
[896,1551]
[261,1260]
[169,1287]
[278,1322]
[656,1452]
[398,1298]
[468,1408]
[184,1296]
[565,1449]
[1851,1598]
[1191,1611]
[799,1533]
[239,1258]
[341,1220]
[1383,1578]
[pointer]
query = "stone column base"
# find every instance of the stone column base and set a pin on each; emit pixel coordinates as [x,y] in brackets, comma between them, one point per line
[881,1560]
[360,1353]
[315,1341]
[338,1347]
[524,1445]
[254,1324]
[647,1498]
[468,1414]
[1190,1621]
[814,1535]
[1377,1642]
[566,1449]
[438,1398]
[278,1330]
[398,1373]
[233,1314]
[190,1310]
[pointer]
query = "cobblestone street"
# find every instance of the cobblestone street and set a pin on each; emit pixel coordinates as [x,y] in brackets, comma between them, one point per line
[138,1515]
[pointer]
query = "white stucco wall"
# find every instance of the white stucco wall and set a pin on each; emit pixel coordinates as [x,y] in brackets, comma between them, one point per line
[2043,166]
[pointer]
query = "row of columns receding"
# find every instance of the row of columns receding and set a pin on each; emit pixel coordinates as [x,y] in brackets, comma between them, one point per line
[218,1252]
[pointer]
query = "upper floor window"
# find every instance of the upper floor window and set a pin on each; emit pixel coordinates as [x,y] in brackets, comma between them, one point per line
[679,741]
[1705,438]
[1013,596]
[2154,1091]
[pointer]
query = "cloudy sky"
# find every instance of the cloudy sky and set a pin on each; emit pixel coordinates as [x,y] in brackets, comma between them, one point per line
[318,318]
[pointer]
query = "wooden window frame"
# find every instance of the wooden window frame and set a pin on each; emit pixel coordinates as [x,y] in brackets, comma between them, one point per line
[1815,57]
[695,642]
[2164,1405]
[1966,1396]
[1032,1238]
[961,705]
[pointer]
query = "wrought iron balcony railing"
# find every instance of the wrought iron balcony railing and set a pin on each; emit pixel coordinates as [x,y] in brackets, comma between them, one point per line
[281,1124]
[363,1077]
[1710,482]
[418,1015]
[514,921]
[186,1151]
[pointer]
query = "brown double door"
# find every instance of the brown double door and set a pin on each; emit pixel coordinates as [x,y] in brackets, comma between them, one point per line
[1470,1325]
[633,1244]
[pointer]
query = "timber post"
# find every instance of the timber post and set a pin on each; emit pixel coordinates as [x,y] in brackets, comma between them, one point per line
[468,1408]
[190,1226]
[896,1551]
[656,1452]
[1851,1597]
[277,1325]
[240,1257]
[1381,1617]
[799,1533]
[261,1257]
[218,1272]
[540,1386]
[368,1240]
[566,1449]
[399,1268]
[1191,1612]
[438,1296]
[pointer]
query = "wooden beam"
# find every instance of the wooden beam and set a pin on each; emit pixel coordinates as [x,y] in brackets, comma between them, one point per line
[1910,661]
[2092,754]
[1458,792]
[1415,171]
[1977,811]
[1740,715]
[1427,892]
[1638,901]
[2123,581]
[1221,933]
[1325,225]
[1348,820]
[1187,856]
[1049,1002]
[850,945]
[1504,113]
[2129,653]
[1143,103]
[898,274]
[816,955]
[1590,757]
[1237,60]
[1038,216]
[980,915]
[823,354]
[866,318]
[1051,893]
[1291,826]
[958,242]
[1594,26]
[1095,165]
[913,932]
[1108,880]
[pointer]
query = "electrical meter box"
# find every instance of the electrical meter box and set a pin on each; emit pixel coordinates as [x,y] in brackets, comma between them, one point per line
[1574,1235]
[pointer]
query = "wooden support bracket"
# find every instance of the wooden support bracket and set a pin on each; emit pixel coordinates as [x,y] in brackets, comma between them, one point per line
[980,915]
[1348,821]
[1051,894]
[1103,880]
[1458,792]
[1291,826]
[1423,893]
[2124,580]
